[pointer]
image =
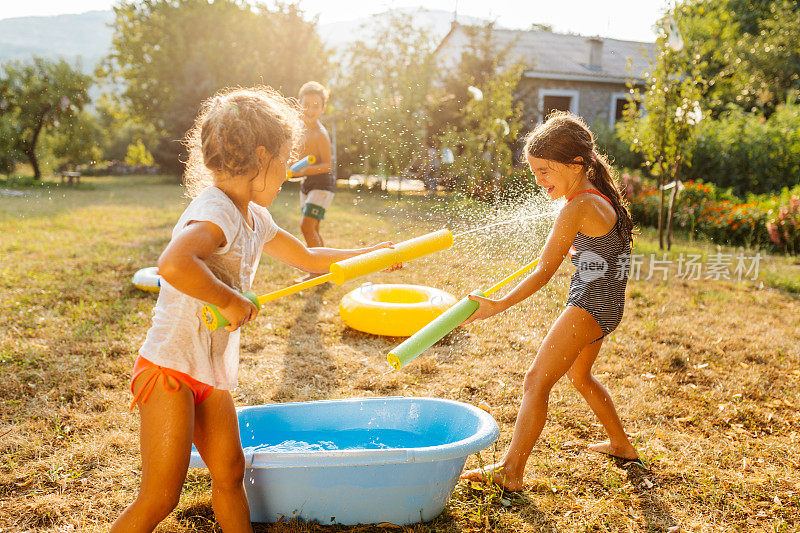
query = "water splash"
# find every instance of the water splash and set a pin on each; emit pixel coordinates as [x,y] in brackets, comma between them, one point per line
[491,241]
[501,223]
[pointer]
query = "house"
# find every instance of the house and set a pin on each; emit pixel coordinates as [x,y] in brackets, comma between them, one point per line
[584,75]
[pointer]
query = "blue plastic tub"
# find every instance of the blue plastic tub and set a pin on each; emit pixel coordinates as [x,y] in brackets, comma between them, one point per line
[357,461]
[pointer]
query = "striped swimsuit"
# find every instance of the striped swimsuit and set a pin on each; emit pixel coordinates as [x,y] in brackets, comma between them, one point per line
[598,284]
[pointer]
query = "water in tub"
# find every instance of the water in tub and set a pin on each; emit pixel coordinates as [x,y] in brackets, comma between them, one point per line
[348,439]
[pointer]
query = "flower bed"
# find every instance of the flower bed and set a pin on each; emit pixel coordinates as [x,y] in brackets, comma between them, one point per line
[784,226]
[705,210]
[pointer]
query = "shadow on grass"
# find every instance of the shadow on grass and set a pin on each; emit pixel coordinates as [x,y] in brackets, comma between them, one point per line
[451,346]
[444,522]
[49,199]
[487,507]
[88,183]
[306,360]
[369,344]
[531,513]
[198,516]
[656,513]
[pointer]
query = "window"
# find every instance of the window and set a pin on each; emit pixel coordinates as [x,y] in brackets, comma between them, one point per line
[557,100]
[556,103]
[617,109]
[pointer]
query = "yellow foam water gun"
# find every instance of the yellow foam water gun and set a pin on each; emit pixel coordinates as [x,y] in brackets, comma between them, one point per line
[348,269]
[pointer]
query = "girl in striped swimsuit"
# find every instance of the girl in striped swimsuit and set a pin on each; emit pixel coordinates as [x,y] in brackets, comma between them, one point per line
[594,228]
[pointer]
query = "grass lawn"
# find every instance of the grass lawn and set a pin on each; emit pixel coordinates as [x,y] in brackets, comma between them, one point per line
[705,373]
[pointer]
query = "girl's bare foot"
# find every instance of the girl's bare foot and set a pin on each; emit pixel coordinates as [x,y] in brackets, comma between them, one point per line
[499,475]
[627,451]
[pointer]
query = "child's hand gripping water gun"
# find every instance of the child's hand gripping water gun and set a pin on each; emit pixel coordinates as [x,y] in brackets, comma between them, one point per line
[301,165]
[348,269]
[445,323]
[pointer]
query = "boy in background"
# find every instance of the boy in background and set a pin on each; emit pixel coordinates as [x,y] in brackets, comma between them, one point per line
[319,185]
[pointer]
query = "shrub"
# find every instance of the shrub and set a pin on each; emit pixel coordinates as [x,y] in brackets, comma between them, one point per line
[784,226]
[749,153]
[705,210]
[138,155]
[608,142]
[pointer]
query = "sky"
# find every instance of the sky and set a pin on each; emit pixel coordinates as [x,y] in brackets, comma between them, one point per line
[608,18]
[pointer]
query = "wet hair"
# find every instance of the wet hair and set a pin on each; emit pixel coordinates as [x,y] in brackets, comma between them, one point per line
[313,87]
[565,137]
[228,129]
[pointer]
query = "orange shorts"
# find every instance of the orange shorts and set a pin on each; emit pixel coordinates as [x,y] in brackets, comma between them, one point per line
[200,390]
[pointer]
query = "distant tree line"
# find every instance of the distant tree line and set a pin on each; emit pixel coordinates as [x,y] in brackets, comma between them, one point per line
[742,60]
[391,100]
[167,56]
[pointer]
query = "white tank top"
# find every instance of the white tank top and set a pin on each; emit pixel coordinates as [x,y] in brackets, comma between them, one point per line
[178,339]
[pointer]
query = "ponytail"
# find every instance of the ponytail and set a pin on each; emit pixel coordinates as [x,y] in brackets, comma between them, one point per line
[602,177]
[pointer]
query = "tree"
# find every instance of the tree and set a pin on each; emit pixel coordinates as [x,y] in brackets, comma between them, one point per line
[479,117]
[480,59]
[664,131]
[9,156]
[77,140]
[138,155]
[749,50]
[172,54]
[772,56]
[750,14]
[39,94]
[384,93]
[484,137]
[121,128]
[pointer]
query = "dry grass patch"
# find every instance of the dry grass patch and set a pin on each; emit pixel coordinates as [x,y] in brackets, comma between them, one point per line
[705,374]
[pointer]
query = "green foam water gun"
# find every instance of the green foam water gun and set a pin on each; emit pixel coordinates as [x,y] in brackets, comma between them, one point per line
[412,347]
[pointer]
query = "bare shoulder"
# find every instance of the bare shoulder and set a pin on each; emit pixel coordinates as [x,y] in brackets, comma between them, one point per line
[597,215]
[573,210]
[202,234]
[320,139]
[570,218]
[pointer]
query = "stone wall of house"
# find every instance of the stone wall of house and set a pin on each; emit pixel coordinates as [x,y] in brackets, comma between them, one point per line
[594,98]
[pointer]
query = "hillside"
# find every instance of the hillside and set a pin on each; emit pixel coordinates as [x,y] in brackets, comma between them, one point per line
[86,37]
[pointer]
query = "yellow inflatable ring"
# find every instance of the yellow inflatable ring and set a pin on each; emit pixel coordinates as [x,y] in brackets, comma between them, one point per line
[147,279]
[393,310]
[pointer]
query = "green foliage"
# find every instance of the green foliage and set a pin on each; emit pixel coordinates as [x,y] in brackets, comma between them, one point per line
[749,54]
[383,96]
[479,119]
[397,105]
[772,56]
[9,155]
[76,141]
[748,152]
[748,50]
[784,224]
[611,143]
[664,134]
[482,139]
[749,13]
[713,31]
[121,128]
[37,95]
[138,155]
[715,213]
[479,61]
[172,54]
